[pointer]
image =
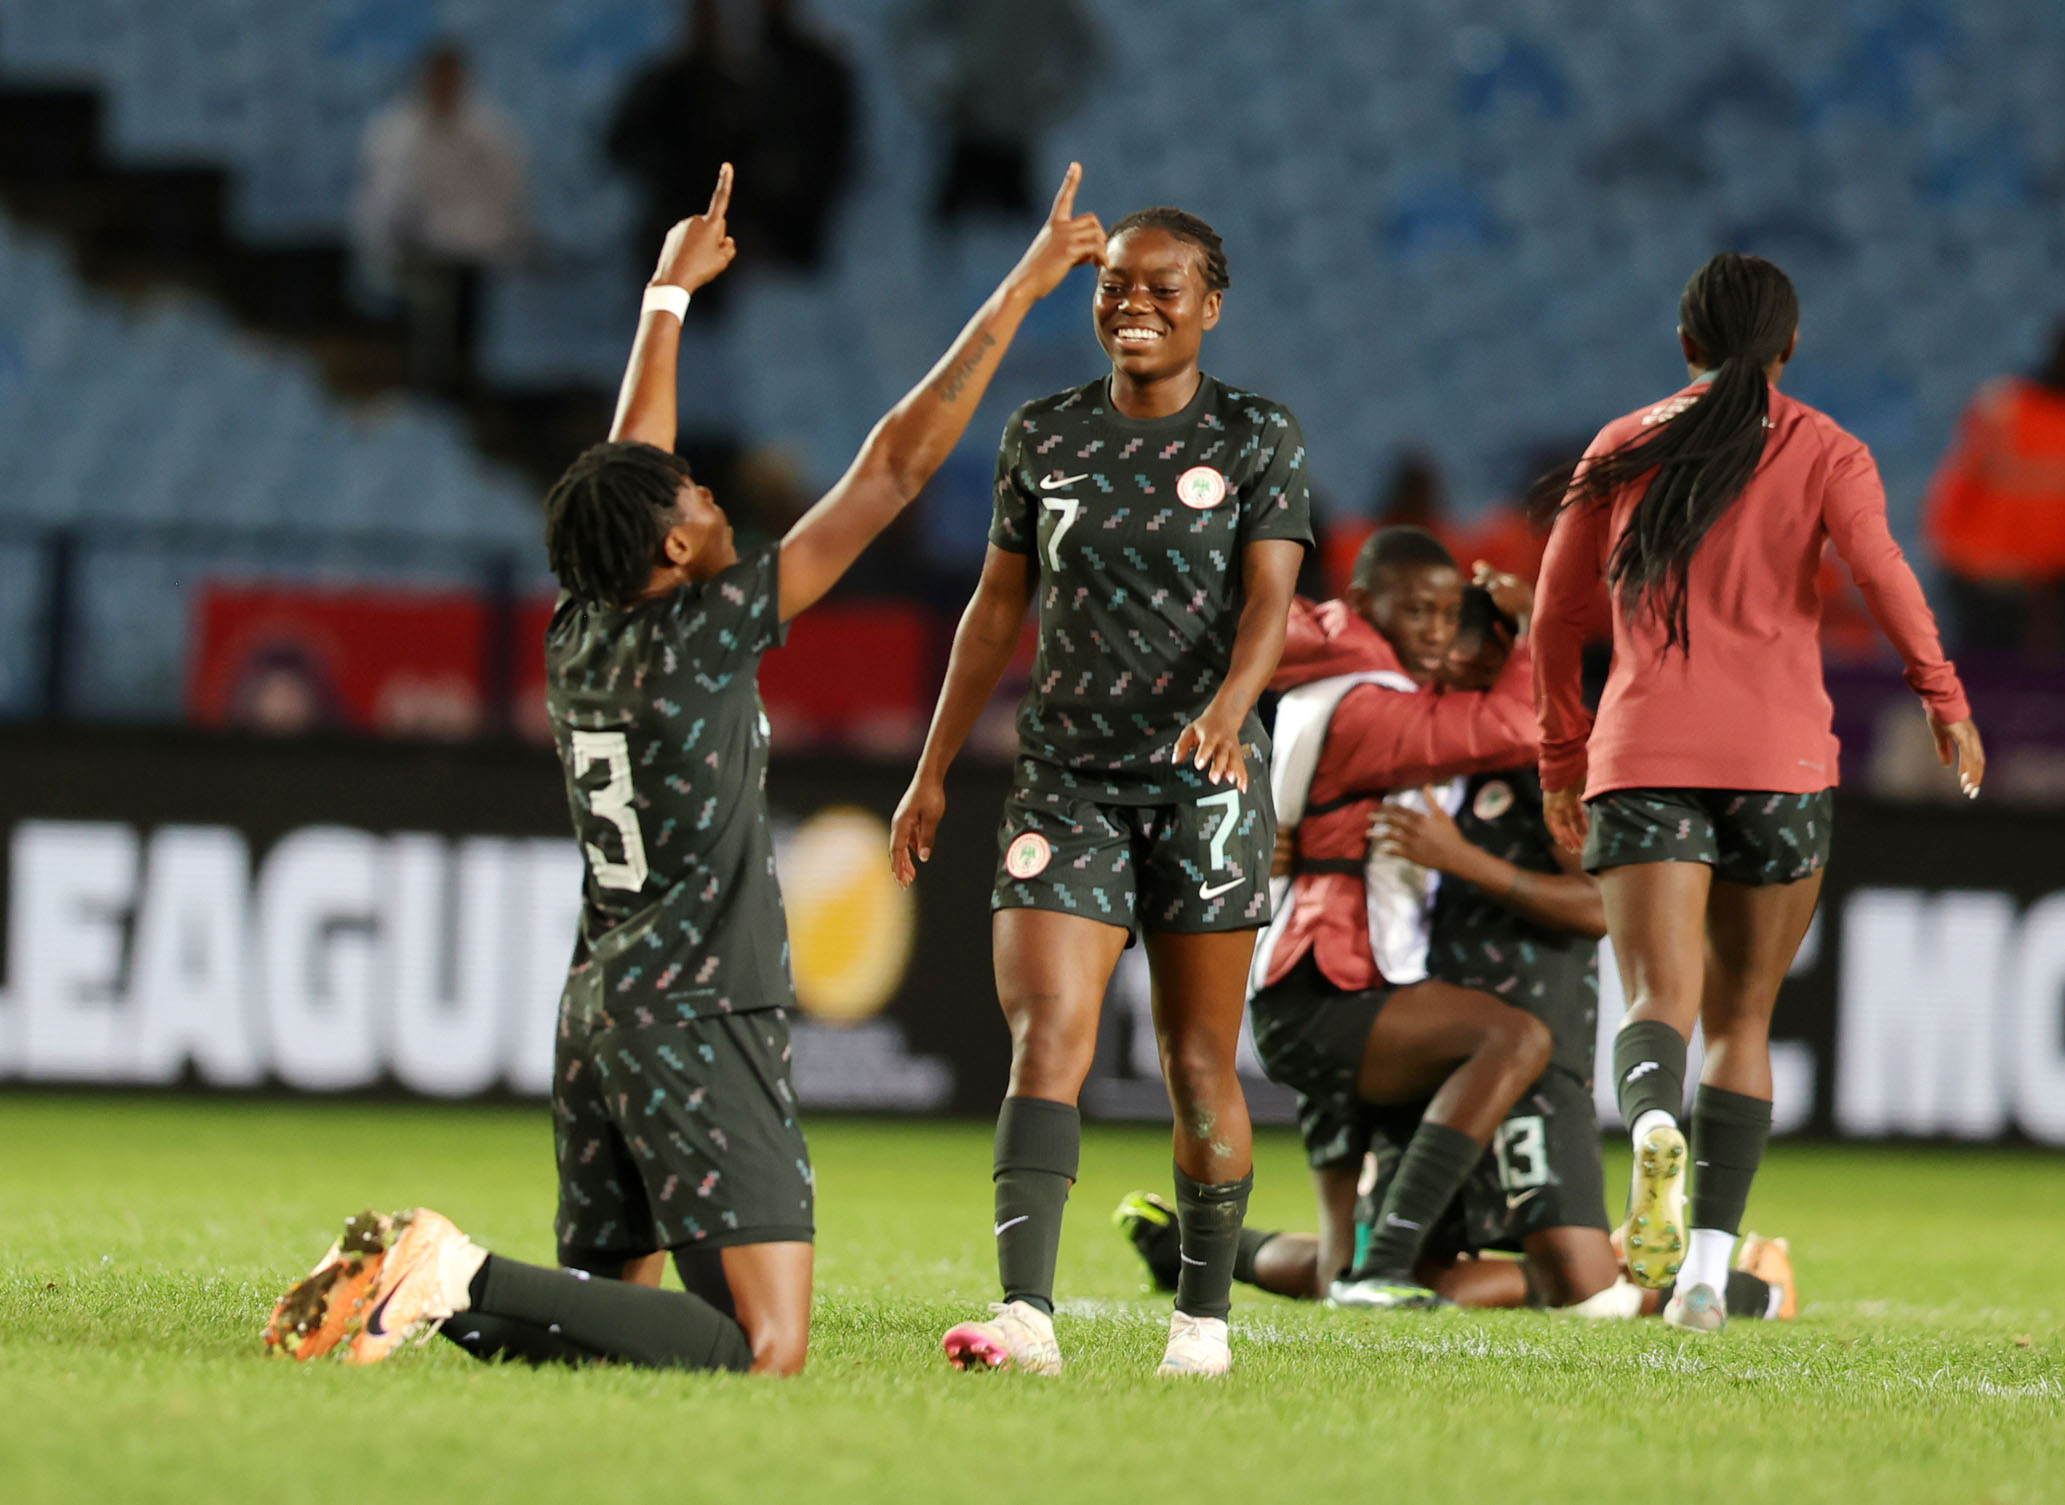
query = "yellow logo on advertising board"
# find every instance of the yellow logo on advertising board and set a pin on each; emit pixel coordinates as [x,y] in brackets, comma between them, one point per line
[850,925]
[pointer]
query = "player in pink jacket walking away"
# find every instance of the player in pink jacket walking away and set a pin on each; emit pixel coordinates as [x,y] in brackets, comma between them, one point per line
[1701,794]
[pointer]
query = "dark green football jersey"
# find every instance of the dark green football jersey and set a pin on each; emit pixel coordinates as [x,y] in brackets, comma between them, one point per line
[1480,943]
[1135,530]
[656,712]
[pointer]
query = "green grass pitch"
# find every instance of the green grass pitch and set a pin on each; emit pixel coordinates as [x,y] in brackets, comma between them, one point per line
[142,1241]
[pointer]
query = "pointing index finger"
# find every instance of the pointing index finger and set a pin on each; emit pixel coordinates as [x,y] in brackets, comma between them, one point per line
[720,196]
[1065,199]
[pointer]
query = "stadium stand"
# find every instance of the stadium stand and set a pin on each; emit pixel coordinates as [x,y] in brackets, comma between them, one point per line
[167,447]
[1463,230]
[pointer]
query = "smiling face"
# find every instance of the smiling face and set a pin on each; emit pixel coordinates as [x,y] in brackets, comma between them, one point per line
[1415,608]
[1152,306]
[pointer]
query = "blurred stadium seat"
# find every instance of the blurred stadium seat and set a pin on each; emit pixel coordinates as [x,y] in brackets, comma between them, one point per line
[174,448]
[1463,235]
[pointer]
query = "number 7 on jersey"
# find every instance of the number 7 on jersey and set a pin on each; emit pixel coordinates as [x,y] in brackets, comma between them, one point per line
[1067,507]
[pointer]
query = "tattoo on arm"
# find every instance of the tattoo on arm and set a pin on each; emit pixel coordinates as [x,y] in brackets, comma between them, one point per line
[954,380]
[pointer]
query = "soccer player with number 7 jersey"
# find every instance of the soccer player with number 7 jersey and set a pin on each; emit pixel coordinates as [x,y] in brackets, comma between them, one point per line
[1157,517]
[675,1121]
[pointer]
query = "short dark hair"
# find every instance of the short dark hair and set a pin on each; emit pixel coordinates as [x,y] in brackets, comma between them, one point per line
[1401,547]
[1187,227]
[607,517]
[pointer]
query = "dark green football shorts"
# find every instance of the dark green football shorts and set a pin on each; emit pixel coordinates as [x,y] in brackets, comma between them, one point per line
[1746,836]
[1312,1037]
[679,1135]
[1199,865]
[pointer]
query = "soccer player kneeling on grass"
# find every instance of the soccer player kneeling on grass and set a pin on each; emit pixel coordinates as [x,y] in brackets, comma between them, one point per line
[675,1121]
[1513,917]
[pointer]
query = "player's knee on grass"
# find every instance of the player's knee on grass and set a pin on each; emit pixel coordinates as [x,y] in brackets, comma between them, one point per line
[780,1345]
[1566,1266]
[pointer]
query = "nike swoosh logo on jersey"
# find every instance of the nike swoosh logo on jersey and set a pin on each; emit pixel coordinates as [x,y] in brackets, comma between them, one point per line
[1003,1228]
[1212,891]
[1056,482]
[1515,1200]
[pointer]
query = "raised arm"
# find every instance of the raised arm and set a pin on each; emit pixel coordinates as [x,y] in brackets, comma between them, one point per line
[983,645]
[1854,512]
[917,435]
[697,249]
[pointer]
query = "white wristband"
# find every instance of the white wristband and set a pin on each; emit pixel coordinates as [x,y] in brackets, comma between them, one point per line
[666,298]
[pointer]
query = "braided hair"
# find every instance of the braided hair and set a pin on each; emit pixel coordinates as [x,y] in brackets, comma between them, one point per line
[1741,311]
[607,519]
[1185,227]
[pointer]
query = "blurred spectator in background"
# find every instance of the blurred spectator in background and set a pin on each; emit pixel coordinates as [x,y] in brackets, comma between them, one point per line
[439,201]
[775,101]
[800,154]
[1996,514]
[679,120]
[996,74]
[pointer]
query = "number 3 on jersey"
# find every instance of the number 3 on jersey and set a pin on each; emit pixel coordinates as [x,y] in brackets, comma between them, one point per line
[612,802]
[1066,508]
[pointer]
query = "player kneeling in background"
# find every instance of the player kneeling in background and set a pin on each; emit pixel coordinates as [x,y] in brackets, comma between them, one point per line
[675,1121]
[1514,917]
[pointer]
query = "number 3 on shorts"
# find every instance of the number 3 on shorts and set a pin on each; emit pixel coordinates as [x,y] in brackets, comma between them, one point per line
[612,802]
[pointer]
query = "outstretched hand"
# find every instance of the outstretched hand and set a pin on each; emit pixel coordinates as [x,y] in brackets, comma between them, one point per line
[1064,243]
[699,247]
[1958,746]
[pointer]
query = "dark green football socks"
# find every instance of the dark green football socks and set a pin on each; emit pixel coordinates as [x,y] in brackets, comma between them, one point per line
[1038,1148]
[1729,1132]
[1648,1070]
[1436,1163]
[1208,1218]
[591,1318]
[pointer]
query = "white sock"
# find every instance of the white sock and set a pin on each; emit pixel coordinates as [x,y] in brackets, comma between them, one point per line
[1706,1264]
[1773,1302]
[1644,1122]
